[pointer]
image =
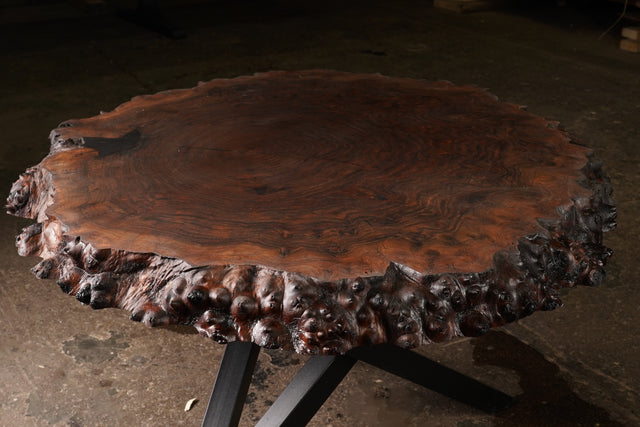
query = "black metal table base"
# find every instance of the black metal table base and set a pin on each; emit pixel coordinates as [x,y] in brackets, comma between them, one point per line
[317,379]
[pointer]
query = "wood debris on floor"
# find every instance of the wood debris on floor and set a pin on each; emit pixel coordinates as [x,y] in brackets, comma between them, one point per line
[630,39]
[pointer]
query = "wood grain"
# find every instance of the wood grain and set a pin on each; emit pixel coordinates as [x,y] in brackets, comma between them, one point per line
[253,207]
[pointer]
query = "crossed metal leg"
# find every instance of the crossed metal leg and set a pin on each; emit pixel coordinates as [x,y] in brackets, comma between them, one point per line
[317,379]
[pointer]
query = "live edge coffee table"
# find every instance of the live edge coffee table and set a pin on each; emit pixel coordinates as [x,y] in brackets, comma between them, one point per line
[346,216]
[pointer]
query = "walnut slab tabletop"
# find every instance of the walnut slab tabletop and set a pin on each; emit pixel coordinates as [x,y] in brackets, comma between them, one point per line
[317,211]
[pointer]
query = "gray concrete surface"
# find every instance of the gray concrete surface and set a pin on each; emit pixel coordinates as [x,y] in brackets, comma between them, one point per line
[63,364]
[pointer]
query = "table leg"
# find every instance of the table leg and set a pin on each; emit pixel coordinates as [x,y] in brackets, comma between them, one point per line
[434,376]
[308,390]
[232,384]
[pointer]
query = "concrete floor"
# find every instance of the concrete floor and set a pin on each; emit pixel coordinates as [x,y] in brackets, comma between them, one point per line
[63,364]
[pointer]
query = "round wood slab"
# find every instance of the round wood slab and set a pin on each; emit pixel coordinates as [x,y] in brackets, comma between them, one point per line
[317,210]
